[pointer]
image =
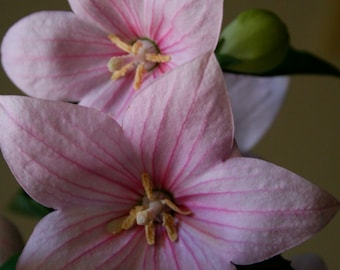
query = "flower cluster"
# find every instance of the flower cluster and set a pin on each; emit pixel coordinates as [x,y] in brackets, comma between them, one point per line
[147,174]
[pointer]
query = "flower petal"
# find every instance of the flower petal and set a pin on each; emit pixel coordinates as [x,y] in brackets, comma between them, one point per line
[78,239]
[64,154]
[255,102]
[180,36]
[189,250]
[250,210]
[176,26]
[114,98]
[53,55]
[182,123]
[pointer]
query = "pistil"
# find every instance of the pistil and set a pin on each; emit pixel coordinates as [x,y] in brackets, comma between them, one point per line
[142,56]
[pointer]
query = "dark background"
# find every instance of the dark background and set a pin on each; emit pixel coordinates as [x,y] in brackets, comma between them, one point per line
[304,137]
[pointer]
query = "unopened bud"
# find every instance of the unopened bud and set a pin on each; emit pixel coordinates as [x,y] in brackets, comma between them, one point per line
[255,42]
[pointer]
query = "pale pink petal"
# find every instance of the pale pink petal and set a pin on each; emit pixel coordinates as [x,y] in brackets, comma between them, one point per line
[64,154]
[113,100]
[11,242]
[191,28]
[53,55]
[255,102]
[176,26]
[116,17]
[78,239]
[166,255]
[308,261]
[249,210]
[191,252]
[182,123]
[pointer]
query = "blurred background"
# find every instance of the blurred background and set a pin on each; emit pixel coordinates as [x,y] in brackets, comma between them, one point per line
[305,135]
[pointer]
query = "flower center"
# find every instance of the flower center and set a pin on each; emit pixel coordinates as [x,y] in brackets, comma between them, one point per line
[156,208]
[142,56]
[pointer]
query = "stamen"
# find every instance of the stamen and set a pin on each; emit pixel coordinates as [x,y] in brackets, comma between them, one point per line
[115,226]
[174,207]
[140,72]
[136,46]
[130,220]
[120,44]
[157,58]
[121,72]
[170,226]
[146,181]
[155,207]
[143,56]
[150,233]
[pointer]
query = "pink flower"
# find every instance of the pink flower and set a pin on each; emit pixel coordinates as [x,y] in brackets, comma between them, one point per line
[61,55]
[255,102]
[11,242]
[95,54]
[166,190]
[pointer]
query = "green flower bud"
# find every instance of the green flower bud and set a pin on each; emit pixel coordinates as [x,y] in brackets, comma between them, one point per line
[255,42]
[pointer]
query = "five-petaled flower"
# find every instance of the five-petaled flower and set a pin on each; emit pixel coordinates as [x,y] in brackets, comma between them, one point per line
[166,190]
[55,55]
[75,56]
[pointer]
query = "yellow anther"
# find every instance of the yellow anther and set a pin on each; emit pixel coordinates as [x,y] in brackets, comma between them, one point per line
[150,233]
[121,72]
[115,226]
[146,181]
[174,207]
[114,64]
[143,56]
[140,72]
[130,220]
[170,226]
[136,46]
[157,58]
[155,206]
[120,44]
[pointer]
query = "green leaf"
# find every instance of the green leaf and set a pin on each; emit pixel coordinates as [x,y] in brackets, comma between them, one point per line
[302,62]
[277,263]
[11,263]
[22,203]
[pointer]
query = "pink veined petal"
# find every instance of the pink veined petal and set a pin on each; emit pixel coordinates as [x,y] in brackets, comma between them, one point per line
[116,100]
[113,100]
[255,102]
[11,242]
[192,28]
[64,154]
[182,123]
[249,210]
[187,251]
[110,16]
[167,255]
[78,238]
[54,55]
[176,26]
